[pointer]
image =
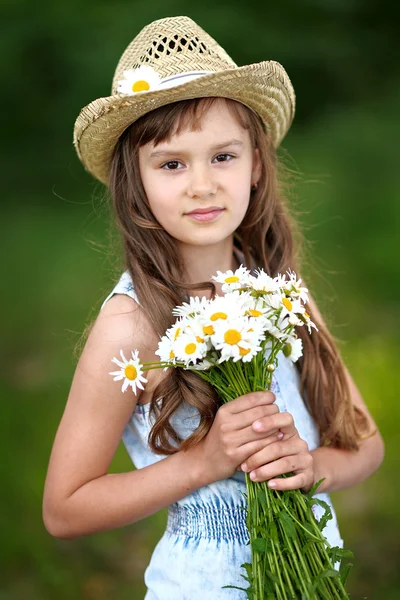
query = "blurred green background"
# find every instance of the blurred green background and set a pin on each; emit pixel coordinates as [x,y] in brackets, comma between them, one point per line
[61,255]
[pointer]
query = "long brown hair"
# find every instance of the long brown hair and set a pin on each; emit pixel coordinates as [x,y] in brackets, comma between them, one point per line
[268,237]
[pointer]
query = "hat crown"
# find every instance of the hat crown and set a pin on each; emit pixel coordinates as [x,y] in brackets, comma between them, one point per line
[171,46]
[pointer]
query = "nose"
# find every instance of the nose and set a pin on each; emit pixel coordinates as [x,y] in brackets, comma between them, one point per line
[201,183]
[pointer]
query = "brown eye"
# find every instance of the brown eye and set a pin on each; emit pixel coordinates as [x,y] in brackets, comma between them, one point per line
[171,165]
[223,157]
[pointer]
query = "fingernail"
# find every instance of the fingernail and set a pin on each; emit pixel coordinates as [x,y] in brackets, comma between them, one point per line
[271,484]
[280,435]
[244,467]
[253,475]
[257,425]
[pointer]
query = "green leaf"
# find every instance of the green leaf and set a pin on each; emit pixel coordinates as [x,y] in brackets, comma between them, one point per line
[261,497]
[310,529]
[269,576]
[249,569]
[344,571]
[328,573]
[337,553]
[315,487]
[259,544]
[273,532]
[327,514]
[233,587]
[287,524]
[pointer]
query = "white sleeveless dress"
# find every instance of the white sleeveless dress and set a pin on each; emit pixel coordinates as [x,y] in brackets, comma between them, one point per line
[206,538]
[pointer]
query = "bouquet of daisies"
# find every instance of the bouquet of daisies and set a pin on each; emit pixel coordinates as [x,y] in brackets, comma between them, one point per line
[234,342]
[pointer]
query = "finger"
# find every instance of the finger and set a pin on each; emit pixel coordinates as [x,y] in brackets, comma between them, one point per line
[295,482]
[246,435]
[253,447]
[282,420]
[250,400]
[275,451]
[288,464]
[247,417]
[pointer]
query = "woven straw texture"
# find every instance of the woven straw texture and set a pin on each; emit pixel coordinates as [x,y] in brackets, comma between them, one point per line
[171,46]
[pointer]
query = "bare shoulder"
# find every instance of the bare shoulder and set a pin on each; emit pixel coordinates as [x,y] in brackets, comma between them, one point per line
[97,410]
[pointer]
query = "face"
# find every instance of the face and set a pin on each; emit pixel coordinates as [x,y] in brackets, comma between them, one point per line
[198,183]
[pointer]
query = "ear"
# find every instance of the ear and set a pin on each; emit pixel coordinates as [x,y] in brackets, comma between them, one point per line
[256,170]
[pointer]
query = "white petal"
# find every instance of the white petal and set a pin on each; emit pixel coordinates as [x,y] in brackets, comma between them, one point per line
[118,377]
[123,357]
[118,362]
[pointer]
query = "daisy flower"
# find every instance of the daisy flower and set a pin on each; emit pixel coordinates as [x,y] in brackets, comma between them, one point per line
[221,308]
[307,320]
[177,328]
[257,309]
[131,372]
[236,339]
[291,307]
[142,79]
[293,348]
[194,326]
[165,350]
[293,287]
[262,282]
[203,365]
[193,307]
[233,280]
[188,350]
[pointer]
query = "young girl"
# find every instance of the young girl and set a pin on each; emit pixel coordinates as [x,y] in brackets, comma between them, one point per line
[186,144]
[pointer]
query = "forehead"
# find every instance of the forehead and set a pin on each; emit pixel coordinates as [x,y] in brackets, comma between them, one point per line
[208,119]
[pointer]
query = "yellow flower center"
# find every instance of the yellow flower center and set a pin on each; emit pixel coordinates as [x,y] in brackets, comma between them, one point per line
[232,279]
[287,304]
[199,339]
[171,355]
[243,351]
[232,337]
[177,332]
[254,313]
[140,86]
[218,315]
[306,315]
[190,348]
[208,329]
[130,372]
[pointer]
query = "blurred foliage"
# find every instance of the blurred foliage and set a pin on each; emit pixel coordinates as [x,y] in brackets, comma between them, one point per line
[60,260]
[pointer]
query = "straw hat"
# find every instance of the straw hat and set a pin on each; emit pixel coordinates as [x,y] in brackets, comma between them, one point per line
[174,59]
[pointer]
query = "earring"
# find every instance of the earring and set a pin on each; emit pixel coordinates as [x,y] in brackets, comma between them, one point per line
[254,186]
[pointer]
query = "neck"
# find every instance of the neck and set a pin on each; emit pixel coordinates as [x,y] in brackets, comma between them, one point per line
[202,263]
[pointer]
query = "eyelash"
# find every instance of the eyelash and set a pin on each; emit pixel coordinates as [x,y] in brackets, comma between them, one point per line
[177,161]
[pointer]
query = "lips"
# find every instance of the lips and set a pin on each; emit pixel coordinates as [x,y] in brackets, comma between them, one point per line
[205,215]
[203,211]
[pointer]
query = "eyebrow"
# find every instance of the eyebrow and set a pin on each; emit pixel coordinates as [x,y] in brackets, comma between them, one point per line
[216,147]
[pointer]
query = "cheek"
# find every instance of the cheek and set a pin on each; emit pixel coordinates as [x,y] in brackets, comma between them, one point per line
[158,194]
[239,184]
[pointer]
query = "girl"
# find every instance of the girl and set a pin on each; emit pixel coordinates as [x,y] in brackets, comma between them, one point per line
[186,144]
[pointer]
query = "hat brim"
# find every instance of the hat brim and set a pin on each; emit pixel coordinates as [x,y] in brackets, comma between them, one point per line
[264,87]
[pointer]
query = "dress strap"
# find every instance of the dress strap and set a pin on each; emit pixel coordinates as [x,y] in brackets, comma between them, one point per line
[123,286]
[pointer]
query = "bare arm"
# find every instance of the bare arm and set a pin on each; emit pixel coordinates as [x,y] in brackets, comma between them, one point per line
[344,468]
[116,500]
[80,497]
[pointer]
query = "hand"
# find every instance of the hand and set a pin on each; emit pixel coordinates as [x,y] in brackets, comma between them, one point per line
[232,439]
[288,455]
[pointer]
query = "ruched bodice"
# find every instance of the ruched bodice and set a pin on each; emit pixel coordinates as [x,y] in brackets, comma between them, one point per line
[206,538]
